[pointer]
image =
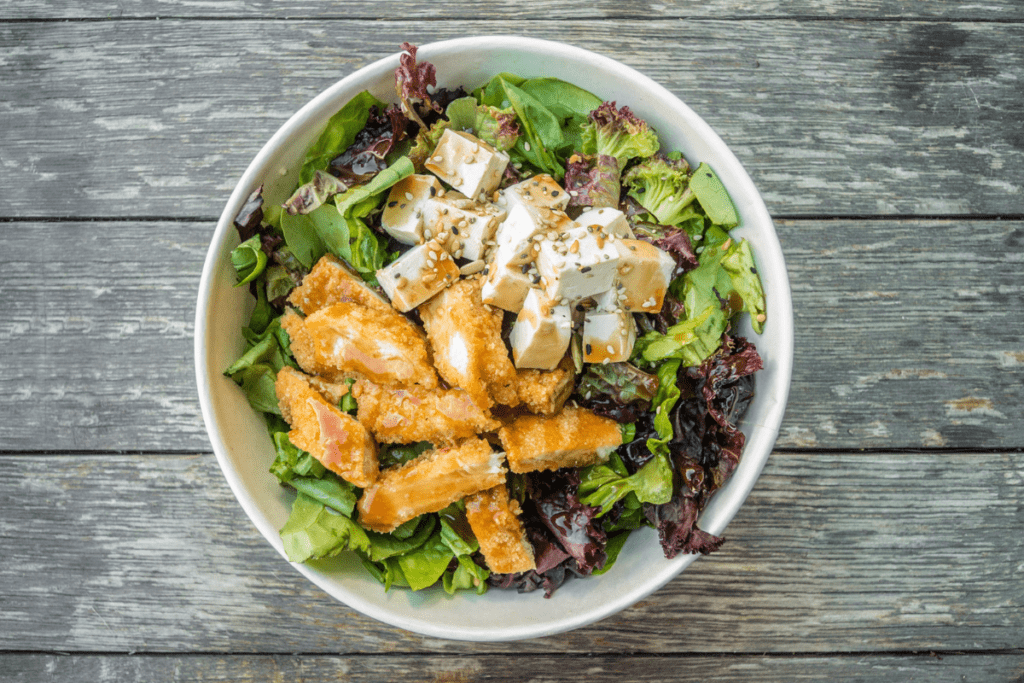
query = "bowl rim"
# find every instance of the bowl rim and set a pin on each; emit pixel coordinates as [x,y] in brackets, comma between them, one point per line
[782,354]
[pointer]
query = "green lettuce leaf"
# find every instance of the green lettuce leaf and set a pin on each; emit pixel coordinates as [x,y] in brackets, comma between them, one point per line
[331,490]
[291,461]
[468,575]
[424,566]
[382,546]
[314,531]
[488,123]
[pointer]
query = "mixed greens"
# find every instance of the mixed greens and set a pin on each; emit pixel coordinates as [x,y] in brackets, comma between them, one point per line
[678,400]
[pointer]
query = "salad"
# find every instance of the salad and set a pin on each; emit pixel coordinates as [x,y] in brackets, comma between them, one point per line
[493,335]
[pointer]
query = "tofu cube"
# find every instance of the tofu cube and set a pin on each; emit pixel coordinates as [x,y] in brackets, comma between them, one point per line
[540,335]
[608,221]
[583,265]
[467,163]
[645,273]
[402,217]
[417,275]
[608,332]
[575,437]
[541,191]
[505,285]
[461,224]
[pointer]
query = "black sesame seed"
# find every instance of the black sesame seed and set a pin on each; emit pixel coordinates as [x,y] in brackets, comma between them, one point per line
[433,191]
[585,269]
[589,350]
[525,267]
[554,193]
[402,206]
[455,231]
[398,275]
[753,270]
[392,204]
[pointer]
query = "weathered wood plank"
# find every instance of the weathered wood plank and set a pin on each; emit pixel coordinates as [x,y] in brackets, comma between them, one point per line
[832,552]
[160,118]
[946,668]
[545,9]
[908,335]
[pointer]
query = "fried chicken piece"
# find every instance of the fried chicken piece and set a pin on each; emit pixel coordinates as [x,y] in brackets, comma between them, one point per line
[576,437]
[332,282]
[429,483]
[495,523]
[465,338]
[411,414]
[334,438]
[545,391]
[346,338]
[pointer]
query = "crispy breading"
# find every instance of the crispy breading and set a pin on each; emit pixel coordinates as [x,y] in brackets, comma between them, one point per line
[332,391]
[576,437]
[411,414]
[332,282]
[347,338]
[429,483]
[334,438]
[545,391]
[465,337]
[495,523]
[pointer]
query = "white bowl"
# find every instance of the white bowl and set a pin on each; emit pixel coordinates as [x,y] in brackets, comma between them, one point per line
[240,439]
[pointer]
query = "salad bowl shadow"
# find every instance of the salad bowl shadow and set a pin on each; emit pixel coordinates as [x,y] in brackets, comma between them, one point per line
[239,437]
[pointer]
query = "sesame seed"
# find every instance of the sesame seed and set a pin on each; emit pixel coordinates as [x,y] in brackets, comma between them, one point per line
[408,195]
[392,204]
[611,349]
[574,193]
[472,267]
[526,146]
[575,246]
[606,361]
[438,159]
[428,233]
[585,269]
[589,349]
[429,277]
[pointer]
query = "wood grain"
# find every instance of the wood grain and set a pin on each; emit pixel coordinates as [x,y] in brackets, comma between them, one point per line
[543,9]
[908,334]
[159,118]
[831,553]
[934,668]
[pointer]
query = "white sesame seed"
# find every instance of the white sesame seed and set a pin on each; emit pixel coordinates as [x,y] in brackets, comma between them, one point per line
[526,146]
[408,195]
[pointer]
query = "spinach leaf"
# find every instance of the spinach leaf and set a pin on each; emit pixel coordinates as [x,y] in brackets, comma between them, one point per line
[340,133]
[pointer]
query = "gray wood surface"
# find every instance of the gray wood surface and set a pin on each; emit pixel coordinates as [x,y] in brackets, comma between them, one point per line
[831,553]
[918,322]
[925,668]
[160,118]
[885,540]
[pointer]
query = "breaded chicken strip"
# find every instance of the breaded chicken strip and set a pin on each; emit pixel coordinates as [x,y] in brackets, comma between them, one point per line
[429,483]
[347,338]
[332,282]
[465,338]
[576,437]
[440,416]
[334,438]
[495,523]
[545,391]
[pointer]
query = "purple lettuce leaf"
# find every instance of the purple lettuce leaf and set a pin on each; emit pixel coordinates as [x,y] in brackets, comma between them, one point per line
[620,391]
[592,180]
[411,82]
[675,242]
[247,221]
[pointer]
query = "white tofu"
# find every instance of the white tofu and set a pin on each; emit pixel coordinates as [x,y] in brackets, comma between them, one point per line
[515,234]
[610,221]
[506,285]
[467,163]
[461,224]
[540,336]
[583,265]
[608,332]
[417,275]
[644,273]
[402,217]
[541,191]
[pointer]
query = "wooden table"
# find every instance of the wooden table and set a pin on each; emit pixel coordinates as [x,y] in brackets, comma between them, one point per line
[885,540]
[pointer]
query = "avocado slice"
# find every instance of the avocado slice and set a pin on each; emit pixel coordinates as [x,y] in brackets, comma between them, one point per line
[713,197]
